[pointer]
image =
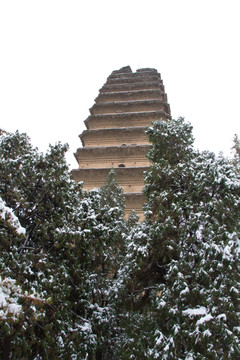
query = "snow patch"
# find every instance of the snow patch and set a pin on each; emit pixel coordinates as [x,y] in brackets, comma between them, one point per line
[194,312]
[7,214]
[9,294]
[204,319]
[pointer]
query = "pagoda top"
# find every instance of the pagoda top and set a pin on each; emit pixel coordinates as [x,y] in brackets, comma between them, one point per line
[125,69]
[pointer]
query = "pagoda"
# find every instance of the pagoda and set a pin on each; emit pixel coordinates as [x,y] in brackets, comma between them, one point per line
[115,137]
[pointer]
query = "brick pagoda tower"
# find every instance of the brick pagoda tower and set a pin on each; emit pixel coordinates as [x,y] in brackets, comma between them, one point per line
[115,135]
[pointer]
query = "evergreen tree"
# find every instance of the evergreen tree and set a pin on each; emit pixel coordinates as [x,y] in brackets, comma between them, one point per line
[60,253]
[236,148]
[104,229]
[39,206]
[79,282]
[183,270]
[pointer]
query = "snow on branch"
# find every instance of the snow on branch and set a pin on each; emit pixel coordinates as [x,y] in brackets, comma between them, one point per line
[8,215]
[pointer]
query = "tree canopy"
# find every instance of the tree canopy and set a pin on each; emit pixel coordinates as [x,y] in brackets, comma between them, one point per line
[79,281]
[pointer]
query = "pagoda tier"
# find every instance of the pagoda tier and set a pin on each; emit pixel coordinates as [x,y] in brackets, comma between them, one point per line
[116,132]
[136,78]
[111,137]
[134,201]
[157,84]
[146,94]
[128,106]
[129,178]
[122,120]
[108,157]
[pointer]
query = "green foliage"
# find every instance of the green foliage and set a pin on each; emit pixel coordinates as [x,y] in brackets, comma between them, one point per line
[40,204]
[77,281]
[61,249]
[187,258]
[236,148]
[104,229]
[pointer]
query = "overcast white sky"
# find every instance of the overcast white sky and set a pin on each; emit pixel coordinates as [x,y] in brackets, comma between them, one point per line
[55,55]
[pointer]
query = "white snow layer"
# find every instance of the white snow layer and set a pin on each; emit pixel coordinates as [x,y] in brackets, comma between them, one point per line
[197,311]
[8,299]
[7,214]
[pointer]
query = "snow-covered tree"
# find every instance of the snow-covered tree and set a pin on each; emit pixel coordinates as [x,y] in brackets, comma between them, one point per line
[103,228]
[77,281]
[187,278]
[181,273]
[39,213]
[236,148]
[60,253]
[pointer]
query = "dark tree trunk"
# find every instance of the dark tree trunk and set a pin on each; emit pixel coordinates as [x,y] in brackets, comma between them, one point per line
[7,348]
[99,355]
